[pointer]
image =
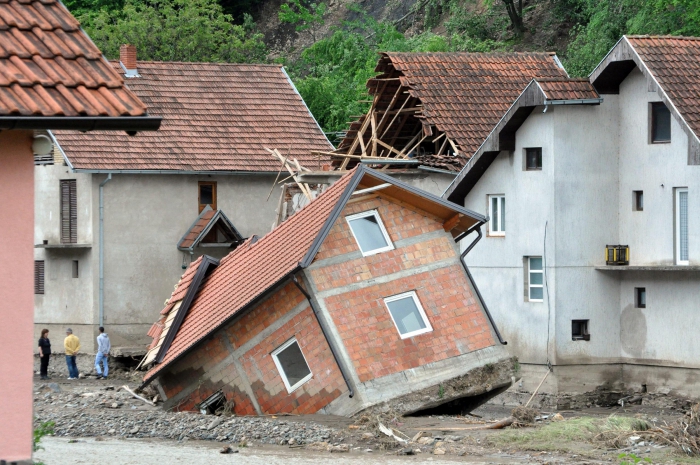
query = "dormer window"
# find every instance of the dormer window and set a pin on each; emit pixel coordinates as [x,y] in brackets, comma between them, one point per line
[369,232]
[660,123]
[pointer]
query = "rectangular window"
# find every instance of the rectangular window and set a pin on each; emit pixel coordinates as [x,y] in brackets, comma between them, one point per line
[681,226]
[38,276]
[75,269]
[640,297]
[291,363]
[660,122]
[579,330]
[408,314]
[535,279]
[369,232]
[207,195]
[533,158]
[69,212]
[639,201]
[497,212]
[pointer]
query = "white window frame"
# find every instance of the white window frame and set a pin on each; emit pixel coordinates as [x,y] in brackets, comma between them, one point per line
[499,214]
[677,229]
[374,213]
[276,352]
[529,284]
[412,294]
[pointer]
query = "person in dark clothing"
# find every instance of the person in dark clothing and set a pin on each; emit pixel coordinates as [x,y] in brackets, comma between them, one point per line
[44,353]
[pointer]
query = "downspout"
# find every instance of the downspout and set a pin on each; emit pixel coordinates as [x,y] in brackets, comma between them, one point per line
[325,335]
[469,275]
[102,252]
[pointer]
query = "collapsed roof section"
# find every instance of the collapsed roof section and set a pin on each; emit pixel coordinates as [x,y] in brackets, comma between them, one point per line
[211,228]
[435,109]
[540,92]
[217,118]
[53,76]
[227,289]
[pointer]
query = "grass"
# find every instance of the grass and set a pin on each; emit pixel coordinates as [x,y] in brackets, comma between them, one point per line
[561,435]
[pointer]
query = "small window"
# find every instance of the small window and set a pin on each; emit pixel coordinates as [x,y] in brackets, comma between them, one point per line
[38,276]
[639,201]
[535,279]
[533,158]
[640,297]
[207,195]
[681,226]
[292,365]
[69,211]
[497,212]
[579,330]
[408,314]
[75,269]
[660,123]
[369,233]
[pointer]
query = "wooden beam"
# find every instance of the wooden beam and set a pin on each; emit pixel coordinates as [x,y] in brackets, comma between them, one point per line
[450,224]
[395,116]
[385,145]
[374,134]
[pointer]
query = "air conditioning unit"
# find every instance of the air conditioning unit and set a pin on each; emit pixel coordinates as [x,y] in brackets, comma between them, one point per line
[617,255]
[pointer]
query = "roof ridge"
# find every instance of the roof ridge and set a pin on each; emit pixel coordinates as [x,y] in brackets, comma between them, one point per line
[218,63]
[561,79]
[650,36]
[484,54]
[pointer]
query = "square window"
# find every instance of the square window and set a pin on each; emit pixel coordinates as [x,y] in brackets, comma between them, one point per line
[408,315]
[639,201]
[533,158]
[497,213]
[660,122]
[640,297]
[681,226]
[207,195]
[579,330]
[535,279]
[291,363]
[369,232]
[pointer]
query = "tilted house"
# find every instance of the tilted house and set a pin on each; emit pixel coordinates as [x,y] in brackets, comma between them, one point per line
[120,216]
[575,166]
[359,299]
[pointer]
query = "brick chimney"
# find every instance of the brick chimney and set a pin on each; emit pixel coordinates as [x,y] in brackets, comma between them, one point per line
[127,58]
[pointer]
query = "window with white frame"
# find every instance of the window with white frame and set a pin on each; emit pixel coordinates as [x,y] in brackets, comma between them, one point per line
[408,314]
[497,213]
[369,232]
[291,363]
[681,226]
[535,279]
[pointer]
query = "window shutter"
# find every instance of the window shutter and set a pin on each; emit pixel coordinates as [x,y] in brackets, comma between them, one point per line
[38,276]
[69,212]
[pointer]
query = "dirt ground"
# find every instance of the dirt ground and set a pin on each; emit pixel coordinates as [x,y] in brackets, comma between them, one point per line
[447,438]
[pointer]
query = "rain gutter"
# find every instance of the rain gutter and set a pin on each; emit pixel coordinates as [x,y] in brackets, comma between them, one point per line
[102,251]
[83,123]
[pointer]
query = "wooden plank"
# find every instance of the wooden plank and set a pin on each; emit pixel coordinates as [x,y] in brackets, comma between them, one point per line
[374,134]
[450,224]
[396,116]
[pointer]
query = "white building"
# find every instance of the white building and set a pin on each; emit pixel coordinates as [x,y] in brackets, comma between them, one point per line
[574,166]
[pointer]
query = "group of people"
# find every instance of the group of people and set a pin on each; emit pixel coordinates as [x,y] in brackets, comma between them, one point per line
[71,345]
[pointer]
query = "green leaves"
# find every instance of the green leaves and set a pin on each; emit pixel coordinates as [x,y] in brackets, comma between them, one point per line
[302,16]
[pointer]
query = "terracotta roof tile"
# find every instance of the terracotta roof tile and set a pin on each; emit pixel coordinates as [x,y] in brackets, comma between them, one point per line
[675,64]
[216,117]
[204,223]
[49,67]
[250,270]
[567,89]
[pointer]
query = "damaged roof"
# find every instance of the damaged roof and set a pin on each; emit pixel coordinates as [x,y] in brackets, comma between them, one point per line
[217,117]
[248,273]
[50,68]
[205,222]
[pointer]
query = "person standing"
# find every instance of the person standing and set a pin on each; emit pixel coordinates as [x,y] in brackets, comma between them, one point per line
[103,347]
[44,353]
[72,346]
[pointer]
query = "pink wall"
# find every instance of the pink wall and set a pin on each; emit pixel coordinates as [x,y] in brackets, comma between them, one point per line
[16,294]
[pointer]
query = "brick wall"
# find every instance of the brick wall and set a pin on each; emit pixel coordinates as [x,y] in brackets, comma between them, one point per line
[361,317]
[210,366]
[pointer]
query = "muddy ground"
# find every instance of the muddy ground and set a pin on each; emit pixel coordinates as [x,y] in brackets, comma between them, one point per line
[96,419]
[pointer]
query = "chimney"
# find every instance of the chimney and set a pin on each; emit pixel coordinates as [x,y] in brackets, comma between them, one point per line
[127,58]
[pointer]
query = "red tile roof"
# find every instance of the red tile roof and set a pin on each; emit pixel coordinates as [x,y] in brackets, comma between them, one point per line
[675,64]
[193,233]
[466,94]
[216,117]
[567,89]
[203,224]
[251,270]
[49,67]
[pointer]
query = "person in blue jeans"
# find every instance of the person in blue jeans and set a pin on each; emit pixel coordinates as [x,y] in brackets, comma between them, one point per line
[103,347]
[72,346]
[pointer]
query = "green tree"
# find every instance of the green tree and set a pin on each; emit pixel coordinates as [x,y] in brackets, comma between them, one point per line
[303,16]
[176,30]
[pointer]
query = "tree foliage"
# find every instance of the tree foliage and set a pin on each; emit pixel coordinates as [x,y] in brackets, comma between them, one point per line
[175,30]
[303,16]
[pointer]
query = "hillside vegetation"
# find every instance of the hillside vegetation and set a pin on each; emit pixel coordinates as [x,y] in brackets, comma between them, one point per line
[330,48]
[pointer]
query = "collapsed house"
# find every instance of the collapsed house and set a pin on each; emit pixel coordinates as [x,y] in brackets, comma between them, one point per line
[360,299]
[432,111]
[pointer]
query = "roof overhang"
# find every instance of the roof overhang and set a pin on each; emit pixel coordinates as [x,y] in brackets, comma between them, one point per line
[82,123]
